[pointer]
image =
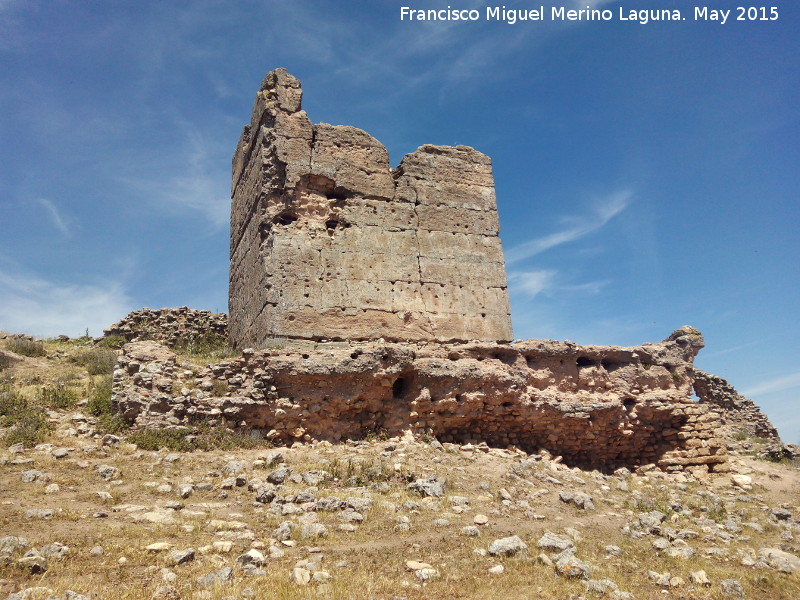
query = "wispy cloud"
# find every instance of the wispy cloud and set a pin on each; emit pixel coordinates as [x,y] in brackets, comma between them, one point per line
[577,228]
[547,282]
[777,384]
[61,223]
[194,181]
[531,283]
[33,305]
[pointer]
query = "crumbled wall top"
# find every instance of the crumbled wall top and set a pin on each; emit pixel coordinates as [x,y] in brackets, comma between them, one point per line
[328,242]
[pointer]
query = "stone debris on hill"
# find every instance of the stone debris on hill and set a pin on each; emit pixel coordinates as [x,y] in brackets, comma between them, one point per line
[170,326]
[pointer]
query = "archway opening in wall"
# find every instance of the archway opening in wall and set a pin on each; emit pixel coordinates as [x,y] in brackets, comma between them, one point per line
[398,387]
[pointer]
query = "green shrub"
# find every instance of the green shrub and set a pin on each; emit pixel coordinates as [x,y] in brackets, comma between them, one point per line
[183,440]
[57,395]
[5,361]
[26,347]
[114,342]
[155,439]
[99,403]
[207,345]
[97,361]
[28,424]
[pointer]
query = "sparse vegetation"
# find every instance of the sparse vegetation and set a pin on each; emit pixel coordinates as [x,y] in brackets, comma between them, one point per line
[57,395]
[113,342]
[26,346]
[97,361]
[27,423]
[186,440]
[209,345]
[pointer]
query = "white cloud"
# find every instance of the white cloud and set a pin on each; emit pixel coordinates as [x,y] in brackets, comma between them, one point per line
[32,305]
[545,281]
[61,223]
[580,227]
[530,283]
[777,384]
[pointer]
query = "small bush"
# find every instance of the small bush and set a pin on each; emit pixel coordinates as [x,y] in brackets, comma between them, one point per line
[97,361]
[26,347]
[207,345]
[5,361]
[114,342]
[57,395]
[99,403]
[183,440]
[219,387]
[28,423]
[155,439]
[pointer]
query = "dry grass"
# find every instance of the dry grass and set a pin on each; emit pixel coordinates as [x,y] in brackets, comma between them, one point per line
[368,563]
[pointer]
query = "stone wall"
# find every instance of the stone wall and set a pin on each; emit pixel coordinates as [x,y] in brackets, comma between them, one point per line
[739,413]
[171,326]
[597,406]
[329,243]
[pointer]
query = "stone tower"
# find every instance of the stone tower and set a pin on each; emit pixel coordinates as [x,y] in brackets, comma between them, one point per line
[328,242]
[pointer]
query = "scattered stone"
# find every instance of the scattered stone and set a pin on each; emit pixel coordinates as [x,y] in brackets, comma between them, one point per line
[39,513]
[699,578]
[251,557]
[166,592]
[108,472]
[579,499]
[180,557]
[215,577]
[570,565]
[433,486]
[497,570]
[732,588]
[33,561]
[508,546]
[470,531]
[554,543]
[480,519]
[300,576]
[33,475]
[279,476]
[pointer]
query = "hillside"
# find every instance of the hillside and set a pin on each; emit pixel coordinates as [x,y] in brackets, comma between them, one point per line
[89,509]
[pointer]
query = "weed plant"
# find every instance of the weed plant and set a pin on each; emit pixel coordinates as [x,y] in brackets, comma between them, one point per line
[27,423]
[57,395]
[26,347]
[97,361]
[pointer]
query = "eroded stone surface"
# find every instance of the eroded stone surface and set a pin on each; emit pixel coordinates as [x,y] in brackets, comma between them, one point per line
[328,242]
[739,412]
[601,406]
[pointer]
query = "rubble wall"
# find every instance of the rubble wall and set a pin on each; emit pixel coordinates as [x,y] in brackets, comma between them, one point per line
[170,326]
[739,413]
[596,406]
[329,243]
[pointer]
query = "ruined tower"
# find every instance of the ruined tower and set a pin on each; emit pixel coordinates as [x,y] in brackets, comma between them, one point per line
[328,242]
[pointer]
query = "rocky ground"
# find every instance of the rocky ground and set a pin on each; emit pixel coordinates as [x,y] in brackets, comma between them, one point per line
[88,514]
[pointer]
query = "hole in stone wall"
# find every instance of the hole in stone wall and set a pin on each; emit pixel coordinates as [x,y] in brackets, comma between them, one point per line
[629,403]
[584,362]
[331,224]
[398,387]
[285,218]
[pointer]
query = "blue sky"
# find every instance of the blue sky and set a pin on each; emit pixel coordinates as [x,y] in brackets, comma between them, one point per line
[647,175]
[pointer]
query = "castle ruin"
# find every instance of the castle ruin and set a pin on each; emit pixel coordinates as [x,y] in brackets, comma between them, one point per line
[328,242]
[366,299]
